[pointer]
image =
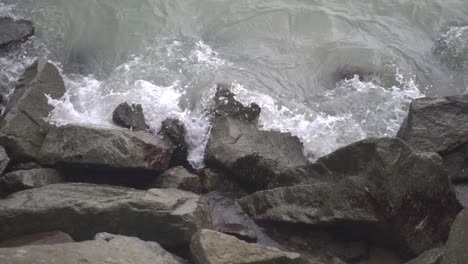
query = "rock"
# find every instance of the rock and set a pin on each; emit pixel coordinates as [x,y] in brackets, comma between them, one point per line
[44,238]
[120,250]
[163,255]
[440,125]
[105,148]
[169,217]
[253,157]
[375,184]
[239,231]
[456,252]
[28,179]
[225,104]
[178,178]
[211,247]
[13,31]
[348,250]
[25,166]
[433,256]
[175,131]
[23,128]
[4,160]
[209,179]
[130,117]
[462,194]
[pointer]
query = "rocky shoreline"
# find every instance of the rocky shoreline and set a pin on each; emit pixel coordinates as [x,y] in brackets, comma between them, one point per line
[77,194]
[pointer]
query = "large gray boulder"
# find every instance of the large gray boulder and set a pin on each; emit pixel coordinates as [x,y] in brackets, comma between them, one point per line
[90,147]
[379,184]
[23,127]
[27,179]
[252,156]
[211,247]
[456,252]
[13,31]
[119,250]
[169,217]
[440,125]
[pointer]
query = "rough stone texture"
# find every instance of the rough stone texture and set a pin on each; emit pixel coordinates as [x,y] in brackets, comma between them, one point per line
[44,238]
[433,256]
[209,179]
[25,166]
[375,183]
[120,250]
[457,252]
[105,148]
[163,255]
[211,247]
[28,179]
[178,178]
[240,231]
[175,131]
[253,157]
[225,104]
[14,31]
[4,160]
[440,125]
[23,128]
[130,117]
[169,217]
[462,194]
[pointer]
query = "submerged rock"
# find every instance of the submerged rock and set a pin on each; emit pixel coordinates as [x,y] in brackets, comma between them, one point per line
[28,179]
[44,238]
[105,148]
[456,252]
[13,31]
[169,217]
[440,125]
[23,127]
[120,250]
[382,185]
[211,247]
[175,131]
[178,178]
[130,117]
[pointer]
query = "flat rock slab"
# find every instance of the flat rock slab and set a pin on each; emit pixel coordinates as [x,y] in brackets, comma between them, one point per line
[105,148]
[120,250]
[14,31]
[169,216]
[211,247]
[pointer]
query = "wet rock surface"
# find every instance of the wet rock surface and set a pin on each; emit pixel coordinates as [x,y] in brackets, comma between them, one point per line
[178,178]
[130,116]
[169,217]
[211,247]
[44,238]
[225,104]
[4,160]
[440,125]
[175,131]
[23,127]
[456,252]
[433,256]
[119,250]
[27,179]
[105,148]
[375,184]
[13,31]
